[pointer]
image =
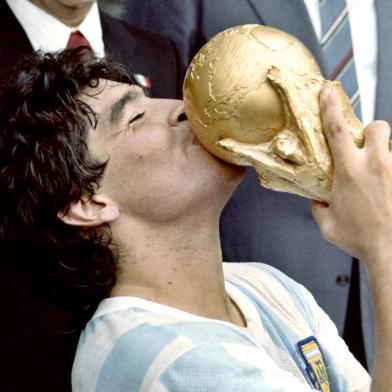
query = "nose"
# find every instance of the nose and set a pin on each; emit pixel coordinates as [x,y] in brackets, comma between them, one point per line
[177,113]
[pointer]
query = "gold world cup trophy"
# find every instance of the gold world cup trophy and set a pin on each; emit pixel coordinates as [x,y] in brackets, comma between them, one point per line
[252,98]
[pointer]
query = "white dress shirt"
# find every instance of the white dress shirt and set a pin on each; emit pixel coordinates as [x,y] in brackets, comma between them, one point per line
[47,33]
[363,24]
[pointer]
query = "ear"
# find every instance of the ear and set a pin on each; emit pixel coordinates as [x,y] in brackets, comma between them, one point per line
[90,212]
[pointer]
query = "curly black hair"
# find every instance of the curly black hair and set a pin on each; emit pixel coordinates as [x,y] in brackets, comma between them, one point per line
[44,167]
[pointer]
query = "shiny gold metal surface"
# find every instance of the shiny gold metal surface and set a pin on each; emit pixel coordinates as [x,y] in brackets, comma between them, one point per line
[251,96]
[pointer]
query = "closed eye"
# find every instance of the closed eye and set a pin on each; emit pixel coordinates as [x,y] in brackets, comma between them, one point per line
[137,117]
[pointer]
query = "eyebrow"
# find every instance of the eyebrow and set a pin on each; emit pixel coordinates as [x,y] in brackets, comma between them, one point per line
[117,109]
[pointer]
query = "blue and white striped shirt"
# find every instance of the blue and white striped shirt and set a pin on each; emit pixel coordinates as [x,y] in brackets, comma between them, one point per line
[132,344]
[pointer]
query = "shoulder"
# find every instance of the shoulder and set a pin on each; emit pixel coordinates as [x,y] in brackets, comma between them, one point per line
[117,348]
[145,354]
[149,12]
[147,53]
[265,275]
[272,289]
[150,331]
[116,27]
[143,349]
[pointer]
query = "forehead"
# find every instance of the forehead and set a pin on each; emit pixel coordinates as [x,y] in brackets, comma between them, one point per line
[108,93]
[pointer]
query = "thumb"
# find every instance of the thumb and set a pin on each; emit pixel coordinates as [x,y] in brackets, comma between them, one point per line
[322,215]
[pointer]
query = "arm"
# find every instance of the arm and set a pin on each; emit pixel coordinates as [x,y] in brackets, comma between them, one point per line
[359,216]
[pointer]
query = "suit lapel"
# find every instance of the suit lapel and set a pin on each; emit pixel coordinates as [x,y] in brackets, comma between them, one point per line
[384,60]
[292,17]
[14,42]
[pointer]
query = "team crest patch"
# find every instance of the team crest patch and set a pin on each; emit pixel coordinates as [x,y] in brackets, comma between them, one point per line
[315,367]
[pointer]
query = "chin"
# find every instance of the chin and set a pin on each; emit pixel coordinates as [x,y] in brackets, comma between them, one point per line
[76,3]
[235,172]
[229,176]
[224,175]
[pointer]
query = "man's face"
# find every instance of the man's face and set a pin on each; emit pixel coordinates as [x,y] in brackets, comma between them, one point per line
[69,12]
[54,4]
[156,166]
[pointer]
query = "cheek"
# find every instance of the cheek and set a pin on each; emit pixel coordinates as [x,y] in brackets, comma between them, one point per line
[153,145]
[141,145]
[145,186]
[132,160]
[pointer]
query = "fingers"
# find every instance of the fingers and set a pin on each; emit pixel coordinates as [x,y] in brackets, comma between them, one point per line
[322,215]
[319,211]
[377,135]
[335,129]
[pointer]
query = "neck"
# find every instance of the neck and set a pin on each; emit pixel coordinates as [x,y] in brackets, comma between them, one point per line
[176,264]
[71,16]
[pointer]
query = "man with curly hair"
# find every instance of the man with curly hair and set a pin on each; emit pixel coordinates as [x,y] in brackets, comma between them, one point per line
[51,25]
[115,202]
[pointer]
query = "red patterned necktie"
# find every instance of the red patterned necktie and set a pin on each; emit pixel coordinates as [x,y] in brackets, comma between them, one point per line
[76,39]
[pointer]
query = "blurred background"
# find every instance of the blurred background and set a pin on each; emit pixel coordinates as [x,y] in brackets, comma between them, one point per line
[114,8]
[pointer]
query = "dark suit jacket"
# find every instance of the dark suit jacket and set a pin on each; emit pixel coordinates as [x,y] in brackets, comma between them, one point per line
[258,224]
[147,53]
[36,355]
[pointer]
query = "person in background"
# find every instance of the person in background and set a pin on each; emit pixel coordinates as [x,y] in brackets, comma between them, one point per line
[50,25]
[261,225]
[38,338]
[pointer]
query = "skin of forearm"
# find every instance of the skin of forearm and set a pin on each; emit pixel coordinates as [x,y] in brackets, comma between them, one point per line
[380,275]
[359,216]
